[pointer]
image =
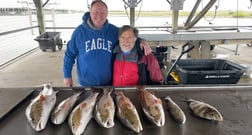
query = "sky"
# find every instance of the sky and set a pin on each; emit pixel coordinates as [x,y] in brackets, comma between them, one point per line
[143,5]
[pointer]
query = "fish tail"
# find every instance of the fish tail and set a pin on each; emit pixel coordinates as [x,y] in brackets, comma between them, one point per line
[167,98]
[78,91]
[48,85]
[140,88]
[44,84]
[186,99]
[119,93]
[97,90]
[108,90]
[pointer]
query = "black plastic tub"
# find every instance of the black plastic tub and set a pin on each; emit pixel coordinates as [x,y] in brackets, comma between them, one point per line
[49,40]
[208,71]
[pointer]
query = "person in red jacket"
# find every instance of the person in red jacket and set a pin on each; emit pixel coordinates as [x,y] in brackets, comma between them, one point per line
[131,67]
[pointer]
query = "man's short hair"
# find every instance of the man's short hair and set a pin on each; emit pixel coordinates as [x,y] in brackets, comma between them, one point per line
[99,1]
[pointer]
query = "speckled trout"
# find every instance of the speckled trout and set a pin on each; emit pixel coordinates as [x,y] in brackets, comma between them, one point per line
[204,110]
[152,106]
[175,111]
[62,110]
[81,114]
[105,109]
[127,113]
[38,111]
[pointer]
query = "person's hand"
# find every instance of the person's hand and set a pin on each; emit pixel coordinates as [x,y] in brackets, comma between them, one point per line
[68,82]
[144,45]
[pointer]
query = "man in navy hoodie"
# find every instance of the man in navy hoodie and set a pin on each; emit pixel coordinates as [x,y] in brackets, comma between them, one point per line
[91,45]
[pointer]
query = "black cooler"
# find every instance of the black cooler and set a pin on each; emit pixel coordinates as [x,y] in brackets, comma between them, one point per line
[208,71]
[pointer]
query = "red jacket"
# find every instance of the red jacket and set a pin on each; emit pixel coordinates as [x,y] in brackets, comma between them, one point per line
[135,69]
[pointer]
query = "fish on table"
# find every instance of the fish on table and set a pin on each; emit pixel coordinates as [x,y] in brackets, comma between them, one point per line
[82,114]
[175,111]
[62,110]
[127,113]
[38,111]
[152,106]
[204,110]
[104,111]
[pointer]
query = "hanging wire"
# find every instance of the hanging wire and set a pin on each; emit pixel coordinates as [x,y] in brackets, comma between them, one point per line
[215,12]
[168,2]
[88,5]
[249,7]
[44,4]
[125,8]
[139,10]
[126,5]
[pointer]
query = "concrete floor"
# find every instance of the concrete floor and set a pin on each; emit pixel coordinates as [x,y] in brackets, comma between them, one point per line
[42,67]
[34,69]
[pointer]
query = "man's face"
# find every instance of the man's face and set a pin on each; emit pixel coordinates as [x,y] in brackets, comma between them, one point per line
[127,40]
[98,15]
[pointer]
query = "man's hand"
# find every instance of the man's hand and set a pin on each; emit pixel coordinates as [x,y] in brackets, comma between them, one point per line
[68,82]
[144,45]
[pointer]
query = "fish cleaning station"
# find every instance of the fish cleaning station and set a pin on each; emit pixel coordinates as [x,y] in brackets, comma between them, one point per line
[207,73]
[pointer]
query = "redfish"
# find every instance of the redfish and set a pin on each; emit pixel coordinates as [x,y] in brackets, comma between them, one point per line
[127,113]
[82,114]
[152,106]
[63,109]
[38,111]
[105,109]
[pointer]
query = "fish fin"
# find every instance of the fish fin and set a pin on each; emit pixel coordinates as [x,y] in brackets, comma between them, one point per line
[83,105]
[41,98]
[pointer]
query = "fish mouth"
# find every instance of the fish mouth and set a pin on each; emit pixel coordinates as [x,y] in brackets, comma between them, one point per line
[160,123]
[137,130]
[38,127]
[109,123]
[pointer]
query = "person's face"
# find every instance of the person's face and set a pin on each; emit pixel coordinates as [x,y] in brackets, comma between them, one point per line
[127,40]
[98,14]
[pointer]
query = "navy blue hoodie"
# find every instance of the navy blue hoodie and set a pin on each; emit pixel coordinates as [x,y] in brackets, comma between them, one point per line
[92,50]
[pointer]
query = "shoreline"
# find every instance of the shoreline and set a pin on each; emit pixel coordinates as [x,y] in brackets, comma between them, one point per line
[168,13]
